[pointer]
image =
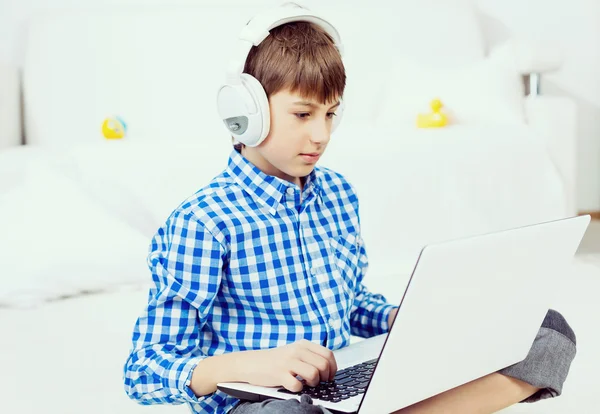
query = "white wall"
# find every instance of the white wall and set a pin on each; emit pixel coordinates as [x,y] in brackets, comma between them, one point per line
[573,24]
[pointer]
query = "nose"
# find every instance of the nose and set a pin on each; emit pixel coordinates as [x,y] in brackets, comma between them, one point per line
[320,132]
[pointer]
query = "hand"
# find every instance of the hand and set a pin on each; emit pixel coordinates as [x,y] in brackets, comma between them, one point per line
[392,317]
[279,366]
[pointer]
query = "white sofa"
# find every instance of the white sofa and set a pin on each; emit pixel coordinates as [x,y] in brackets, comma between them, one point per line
[158,68]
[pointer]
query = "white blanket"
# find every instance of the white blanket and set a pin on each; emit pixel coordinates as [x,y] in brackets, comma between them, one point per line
[54,240]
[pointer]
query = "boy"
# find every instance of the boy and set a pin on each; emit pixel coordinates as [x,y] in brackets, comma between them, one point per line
[259,275]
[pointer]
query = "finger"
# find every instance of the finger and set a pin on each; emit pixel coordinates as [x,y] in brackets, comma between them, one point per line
[325,353]
[317,361]
[291,383]
[309,373]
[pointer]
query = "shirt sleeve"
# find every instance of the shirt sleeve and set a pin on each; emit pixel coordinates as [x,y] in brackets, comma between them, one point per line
[370,311]
[186,262]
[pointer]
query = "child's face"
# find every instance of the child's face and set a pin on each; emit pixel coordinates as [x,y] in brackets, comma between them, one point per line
[299,133]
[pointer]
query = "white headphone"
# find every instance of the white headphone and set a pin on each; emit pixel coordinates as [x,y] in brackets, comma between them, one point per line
[242,102]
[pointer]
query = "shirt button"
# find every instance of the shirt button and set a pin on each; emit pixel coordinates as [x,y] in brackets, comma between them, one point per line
[290,191]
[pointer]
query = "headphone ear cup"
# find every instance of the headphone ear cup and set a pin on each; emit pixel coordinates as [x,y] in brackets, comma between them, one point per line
[256,90]
[244,109]
[339,112]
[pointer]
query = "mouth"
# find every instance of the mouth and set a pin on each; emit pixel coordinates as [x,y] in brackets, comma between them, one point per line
[311,157]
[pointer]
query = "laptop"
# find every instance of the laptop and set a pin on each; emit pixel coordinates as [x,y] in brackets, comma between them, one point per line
[472,306]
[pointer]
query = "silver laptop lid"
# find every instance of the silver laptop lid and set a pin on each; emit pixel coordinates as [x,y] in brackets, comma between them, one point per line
[472,306]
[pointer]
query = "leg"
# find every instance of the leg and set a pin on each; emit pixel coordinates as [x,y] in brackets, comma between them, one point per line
[485,395]
[273,406]
[549,359]
[540,375]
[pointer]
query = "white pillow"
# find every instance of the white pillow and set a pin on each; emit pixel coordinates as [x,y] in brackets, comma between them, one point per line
[142,183]
[487,92]
[55,242]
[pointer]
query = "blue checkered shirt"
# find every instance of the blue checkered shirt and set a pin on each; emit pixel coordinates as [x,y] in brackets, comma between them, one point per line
[250,262]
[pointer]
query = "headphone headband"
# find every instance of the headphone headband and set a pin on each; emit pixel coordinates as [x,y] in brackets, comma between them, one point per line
[257,30]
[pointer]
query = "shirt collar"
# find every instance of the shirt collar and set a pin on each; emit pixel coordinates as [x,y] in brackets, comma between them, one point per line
[267,189]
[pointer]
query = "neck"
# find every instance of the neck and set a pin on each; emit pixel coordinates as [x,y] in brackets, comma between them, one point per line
[266,167]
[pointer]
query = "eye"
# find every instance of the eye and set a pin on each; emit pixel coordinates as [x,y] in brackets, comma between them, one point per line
[305,115]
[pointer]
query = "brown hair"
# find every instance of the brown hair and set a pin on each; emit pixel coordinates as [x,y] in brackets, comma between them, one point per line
[301,57]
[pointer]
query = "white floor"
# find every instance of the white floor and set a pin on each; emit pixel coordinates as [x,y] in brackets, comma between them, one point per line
[591,240]
[589,250]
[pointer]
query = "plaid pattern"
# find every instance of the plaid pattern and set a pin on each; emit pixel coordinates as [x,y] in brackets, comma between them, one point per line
[249,263]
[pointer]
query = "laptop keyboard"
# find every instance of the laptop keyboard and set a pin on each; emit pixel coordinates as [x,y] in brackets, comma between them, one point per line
[347,383]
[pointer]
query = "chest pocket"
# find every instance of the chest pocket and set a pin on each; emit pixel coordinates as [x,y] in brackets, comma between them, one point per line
[345,249]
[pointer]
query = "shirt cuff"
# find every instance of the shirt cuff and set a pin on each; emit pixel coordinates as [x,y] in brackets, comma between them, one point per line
[179,377]
[372,319]
[383,312]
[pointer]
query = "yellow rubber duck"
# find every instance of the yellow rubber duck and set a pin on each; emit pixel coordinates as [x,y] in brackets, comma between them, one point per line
[434,119]
[114,128]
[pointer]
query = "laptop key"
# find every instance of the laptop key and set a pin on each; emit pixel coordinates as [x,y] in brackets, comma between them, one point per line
[345,381]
